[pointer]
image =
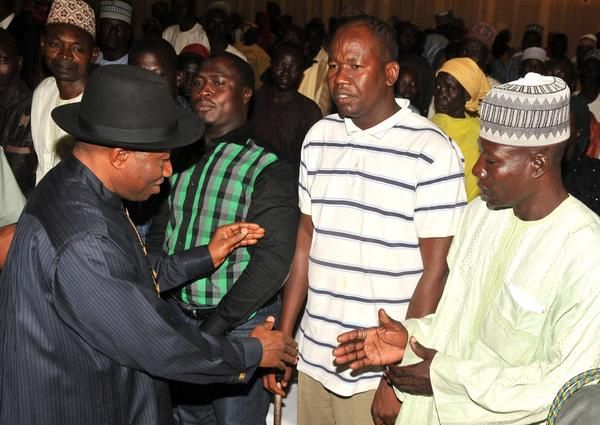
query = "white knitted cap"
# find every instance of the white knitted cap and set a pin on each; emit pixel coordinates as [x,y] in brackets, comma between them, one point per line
[534,53]
[115,9]
[531,111]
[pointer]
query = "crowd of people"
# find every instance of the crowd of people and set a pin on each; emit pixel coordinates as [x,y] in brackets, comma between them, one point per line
[404,220]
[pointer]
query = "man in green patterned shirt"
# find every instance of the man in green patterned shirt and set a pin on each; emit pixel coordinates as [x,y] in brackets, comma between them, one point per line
[233,179]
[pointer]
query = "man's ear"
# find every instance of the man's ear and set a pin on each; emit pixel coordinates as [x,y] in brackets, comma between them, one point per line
[540,164]
[118,157]
[392,69]
[178,78]
[94,56]
[247,94]
[42,41]
[19,63]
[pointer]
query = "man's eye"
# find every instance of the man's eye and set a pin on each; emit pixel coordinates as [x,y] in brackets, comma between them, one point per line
[356,66]
[332,66]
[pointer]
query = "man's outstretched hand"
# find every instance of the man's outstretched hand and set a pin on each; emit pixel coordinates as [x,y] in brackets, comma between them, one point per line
[231,236]
[278,349]
[373,346]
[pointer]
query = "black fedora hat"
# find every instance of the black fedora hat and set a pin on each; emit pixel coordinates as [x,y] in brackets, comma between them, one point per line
[129,107]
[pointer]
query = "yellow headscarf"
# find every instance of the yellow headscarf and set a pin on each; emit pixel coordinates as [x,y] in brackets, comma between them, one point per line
[469,75]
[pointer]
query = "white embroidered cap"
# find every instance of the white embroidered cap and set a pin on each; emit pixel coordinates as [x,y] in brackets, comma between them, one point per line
[531,111]
[73,12]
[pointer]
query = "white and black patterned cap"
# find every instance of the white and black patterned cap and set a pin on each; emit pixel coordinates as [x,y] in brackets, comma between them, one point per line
[115,9]
[73,12]
[531,111]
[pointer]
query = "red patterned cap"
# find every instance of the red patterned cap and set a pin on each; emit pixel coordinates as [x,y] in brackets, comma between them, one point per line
[195,49]
[483,33]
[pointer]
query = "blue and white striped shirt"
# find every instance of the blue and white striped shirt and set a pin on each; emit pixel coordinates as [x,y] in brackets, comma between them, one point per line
[371,195]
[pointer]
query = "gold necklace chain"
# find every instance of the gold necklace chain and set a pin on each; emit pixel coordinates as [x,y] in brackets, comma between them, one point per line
[139,238]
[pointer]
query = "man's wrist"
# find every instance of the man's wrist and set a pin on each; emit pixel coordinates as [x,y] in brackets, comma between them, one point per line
[215,325]
[285,328]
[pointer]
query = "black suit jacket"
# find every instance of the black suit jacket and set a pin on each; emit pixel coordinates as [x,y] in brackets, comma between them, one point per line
[84,337]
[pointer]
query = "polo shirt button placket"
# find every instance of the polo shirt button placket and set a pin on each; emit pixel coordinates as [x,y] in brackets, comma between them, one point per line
[355,161]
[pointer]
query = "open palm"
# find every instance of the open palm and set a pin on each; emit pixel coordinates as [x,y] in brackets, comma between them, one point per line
[373,346]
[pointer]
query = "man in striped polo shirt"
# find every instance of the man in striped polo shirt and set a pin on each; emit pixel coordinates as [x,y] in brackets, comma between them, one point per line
[233,179]
[381,194]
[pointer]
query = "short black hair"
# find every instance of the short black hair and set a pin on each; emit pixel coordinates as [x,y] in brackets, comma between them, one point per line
[250,37]
[500,45]
[185,58]
[531,38]
[315,25]
[287,47]
[569,74]
[381,30]
[240,65]
[558,44]
[155,45]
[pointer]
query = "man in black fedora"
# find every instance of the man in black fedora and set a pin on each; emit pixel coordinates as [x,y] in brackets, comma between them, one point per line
[85,335]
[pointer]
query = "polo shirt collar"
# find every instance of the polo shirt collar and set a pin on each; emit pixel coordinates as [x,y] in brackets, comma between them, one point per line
[380,130]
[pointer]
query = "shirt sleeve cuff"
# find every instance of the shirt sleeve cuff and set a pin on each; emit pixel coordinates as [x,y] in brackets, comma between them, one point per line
[197,262]
[252,356]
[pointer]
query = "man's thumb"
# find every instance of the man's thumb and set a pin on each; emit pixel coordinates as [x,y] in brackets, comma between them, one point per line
[384,319]
[242,234]
[417,348]
[269,323]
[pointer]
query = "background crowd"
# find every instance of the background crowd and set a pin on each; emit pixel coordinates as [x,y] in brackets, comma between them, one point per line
[273,36]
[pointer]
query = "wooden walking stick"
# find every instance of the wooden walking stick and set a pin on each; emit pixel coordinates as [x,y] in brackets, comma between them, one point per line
[277,408]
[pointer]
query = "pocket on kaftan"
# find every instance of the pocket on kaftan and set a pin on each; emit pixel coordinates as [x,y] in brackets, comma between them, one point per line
[514,325]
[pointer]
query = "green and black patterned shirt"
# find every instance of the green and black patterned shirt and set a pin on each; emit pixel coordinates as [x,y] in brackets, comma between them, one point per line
[235,180]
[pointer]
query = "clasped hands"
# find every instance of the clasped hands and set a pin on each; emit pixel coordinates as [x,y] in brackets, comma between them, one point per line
[385,346]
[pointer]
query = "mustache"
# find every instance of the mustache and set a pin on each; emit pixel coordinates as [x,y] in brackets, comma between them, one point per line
[204,102]
[342,92]
[63,63]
